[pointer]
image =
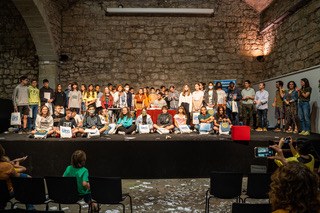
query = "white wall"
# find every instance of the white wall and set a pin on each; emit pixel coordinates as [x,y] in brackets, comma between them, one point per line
[313,75]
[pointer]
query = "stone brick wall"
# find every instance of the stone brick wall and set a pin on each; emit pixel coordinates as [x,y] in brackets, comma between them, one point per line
[17,51]
[295,43]
[156,51]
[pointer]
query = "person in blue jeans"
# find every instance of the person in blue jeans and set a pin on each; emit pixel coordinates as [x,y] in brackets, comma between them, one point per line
[304,95]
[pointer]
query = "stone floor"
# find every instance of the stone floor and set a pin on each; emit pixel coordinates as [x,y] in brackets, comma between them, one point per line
[164,195]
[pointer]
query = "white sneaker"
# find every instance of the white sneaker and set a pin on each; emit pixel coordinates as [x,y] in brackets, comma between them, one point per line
[121,133]
[158,131]
[176,132]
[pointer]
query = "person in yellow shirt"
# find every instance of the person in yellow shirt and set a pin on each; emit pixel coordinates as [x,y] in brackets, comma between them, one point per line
[301,153]
[34,103]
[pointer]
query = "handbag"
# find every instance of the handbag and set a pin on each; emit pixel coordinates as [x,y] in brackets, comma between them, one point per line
[15,119]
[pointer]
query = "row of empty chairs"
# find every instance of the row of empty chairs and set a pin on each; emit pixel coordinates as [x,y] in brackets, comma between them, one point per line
[63,190]
[228,185]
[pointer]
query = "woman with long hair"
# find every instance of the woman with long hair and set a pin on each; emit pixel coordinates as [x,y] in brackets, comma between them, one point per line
[139,100]
[304,95]
[106,99]
[90,96]
[44,121]
[60,97]
[125,123]
[221,95]
[185,100]
[75,98]
[291,108]
[83,90]
[146,99]
[197,98]
[219,117]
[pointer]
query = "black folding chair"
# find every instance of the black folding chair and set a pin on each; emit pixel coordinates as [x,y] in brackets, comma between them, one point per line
[108,191]
[63,190]
[251,208]
[4,194]
[258,186]
[29,191]
[224,185]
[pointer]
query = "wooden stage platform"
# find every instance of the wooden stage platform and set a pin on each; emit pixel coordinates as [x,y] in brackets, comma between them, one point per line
[143,156]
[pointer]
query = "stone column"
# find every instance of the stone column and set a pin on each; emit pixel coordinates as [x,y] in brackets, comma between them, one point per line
[48,70]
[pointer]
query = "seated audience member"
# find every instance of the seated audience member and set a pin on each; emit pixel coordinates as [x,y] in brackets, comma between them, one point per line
[69,121]
[180,119]
[144,119]
[16,164]
[301,153]
[92,120]
[294,189]
[204,117]
[125,122]
[159,102]
[220,117]
[164,120]
[77,169]
[44,121]
[7,171]
[104,117]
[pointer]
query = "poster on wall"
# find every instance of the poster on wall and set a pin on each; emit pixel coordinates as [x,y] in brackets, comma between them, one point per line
[225,83]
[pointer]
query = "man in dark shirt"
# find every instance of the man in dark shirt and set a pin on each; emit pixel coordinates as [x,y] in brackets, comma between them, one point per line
[46,93]
[92,120]
[164,120]
[69,121]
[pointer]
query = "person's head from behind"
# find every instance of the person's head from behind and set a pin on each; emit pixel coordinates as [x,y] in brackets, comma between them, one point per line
[91,110]
[24,80]
[164,109]
[44,111]
[181,110]
[295,188]
[78,159]
[203,110]
[221,110]
[247,84]
[45,83]
[68,114]
[304,146]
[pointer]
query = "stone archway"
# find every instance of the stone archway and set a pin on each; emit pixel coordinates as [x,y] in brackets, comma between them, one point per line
[36,19]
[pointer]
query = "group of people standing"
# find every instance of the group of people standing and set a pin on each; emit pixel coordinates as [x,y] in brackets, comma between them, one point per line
[90,107]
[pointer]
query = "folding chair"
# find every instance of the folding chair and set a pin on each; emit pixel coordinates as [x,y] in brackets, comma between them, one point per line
[4,195]
[258,186]
[251,208]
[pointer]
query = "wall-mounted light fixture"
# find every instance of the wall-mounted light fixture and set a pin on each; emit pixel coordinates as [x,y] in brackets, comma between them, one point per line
[163,11]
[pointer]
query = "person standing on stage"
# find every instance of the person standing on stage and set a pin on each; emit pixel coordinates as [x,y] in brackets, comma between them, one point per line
[291,107]
[91,96]
[20,101]
[304,95]
[34,103]
[75,98]
[185,100]
[261,102]
[60,98]
[279,106]
[233,96]
[221,94]
[197,98]
[173,97]
[210,97]
[47,95]
[129,96]
[248,95]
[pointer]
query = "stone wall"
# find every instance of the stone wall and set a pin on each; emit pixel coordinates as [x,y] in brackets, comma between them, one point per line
[17,51]
[295,43]
[159,50]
